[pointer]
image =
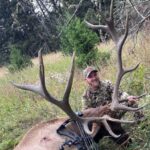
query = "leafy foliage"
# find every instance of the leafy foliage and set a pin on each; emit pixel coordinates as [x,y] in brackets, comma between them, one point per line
[17,60]
[5,33]
[103,57]
[21,25]
[136,81]
[77,37]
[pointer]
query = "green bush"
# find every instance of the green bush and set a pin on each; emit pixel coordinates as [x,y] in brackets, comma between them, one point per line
[135,83]
[103,57]
[17,60]
[77,37]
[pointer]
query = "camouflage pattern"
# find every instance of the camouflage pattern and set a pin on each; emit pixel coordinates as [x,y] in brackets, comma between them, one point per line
[101,96]
[87,71]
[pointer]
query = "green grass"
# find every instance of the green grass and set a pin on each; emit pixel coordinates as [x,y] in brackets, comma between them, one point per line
[19,110]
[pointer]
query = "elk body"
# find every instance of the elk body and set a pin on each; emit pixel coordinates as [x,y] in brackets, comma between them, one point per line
[44,136]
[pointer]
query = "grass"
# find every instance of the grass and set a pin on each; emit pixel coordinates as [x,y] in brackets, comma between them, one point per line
[20,110]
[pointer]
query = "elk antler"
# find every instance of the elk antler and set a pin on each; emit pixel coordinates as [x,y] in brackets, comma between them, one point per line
[103,120]
[64,104]
[119,42]
[41,89]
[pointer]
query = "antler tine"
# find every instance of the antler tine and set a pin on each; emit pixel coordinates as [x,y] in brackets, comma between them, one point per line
[42,85]
[132,69]
[41,88]
[122,40]
[29,87]
[105,123]
[103,120]
[70,81]
[111,9]
[41,71]
[120,73]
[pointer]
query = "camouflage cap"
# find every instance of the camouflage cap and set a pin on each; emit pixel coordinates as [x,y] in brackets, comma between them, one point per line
[88,70]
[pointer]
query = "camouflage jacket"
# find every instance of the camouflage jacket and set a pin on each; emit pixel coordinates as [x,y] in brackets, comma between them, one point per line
[102,96]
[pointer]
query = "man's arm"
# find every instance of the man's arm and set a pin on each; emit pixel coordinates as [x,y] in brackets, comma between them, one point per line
[130,100]
[85,101]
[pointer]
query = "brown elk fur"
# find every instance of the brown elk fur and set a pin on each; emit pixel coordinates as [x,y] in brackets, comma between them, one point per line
[43,136]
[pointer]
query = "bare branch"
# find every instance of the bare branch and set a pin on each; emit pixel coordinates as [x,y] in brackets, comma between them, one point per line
[134,7]
[92,26]
[78,6]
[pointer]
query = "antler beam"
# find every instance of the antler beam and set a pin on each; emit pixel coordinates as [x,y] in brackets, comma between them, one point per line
[119,42]
[42,90]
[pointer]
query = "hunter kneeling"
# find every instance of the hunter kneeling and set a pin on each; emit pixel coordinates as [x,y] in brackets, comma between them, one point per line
[98,95]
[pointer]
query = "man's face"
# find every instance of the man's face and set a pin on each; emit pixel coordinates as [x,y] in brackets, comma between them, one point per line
[93,80]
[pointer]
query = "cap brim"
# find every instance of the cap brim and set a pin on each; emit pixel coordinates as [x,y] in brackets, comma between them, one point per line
[91,72]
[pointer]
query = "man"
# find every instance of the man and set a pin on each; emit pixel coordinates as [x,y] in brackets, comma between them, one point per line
[99,93]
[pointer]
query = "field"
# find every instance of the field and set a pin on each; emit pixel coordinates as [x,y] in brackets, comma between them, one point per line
[20,110]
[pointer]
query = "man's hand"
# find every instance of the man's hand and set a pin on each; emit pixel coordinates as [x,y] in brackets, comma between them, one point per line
[104,109]
[97,112]
[132,100]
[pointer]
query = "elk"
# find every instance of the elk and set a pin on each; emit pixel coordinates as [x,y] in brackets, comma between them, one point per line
[45,136]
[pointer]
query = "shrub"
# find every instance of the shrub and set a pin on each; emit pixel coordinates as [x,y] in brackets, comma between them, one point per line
[136,81]
[103,57]
[17,60]
[77,37]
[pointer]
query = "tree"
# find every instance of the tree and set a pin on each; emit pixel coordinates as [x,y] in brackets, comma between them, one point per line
[29,30]
[18,61]
[77,37]
[5,22]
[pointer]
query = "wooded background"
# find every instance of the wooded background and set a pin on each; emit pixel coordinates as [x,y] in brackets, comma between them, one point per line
[29,25]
